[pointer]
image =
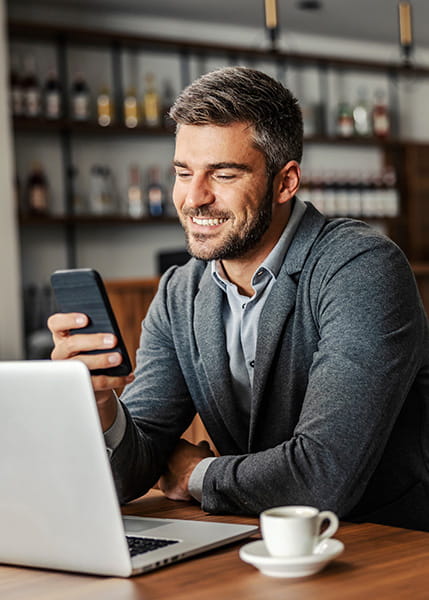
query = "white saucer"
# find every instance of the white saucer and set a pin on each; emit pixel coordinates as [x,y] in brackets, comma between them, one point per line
[257,555]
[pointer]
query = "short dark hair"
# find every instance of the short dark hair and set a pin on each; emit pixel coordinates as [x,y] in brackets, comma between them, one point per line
[241,94]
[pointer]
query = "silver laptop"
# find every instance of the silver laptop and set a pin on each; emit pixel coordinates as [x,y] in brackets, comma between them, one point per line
[58,504]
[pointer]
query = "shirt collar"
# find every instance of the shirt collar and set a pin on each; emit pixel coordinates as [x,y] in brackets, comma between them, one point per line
[274,260]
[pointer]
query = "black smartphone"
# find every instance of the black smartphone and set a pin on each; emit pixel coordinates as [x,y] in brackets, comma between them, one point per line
[83,291]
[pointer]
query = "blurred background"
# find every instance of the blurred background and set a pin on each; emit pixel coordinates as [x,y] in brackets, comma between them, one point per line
[86,143]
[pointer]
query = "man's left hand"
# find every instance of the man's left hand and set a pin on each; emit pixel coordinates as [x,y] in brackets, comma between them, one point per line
[185,457]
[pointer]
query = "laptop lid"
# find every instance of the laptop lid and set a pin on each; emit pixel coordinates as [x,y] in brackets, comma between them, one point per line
[58,504]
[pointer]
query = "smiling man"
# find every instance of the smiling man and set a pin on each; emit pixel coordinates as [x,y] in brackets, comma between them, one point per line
[301,341]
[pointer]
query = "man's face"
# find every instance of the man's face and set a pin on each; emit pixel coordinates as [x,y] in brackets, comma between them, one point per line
[221,191]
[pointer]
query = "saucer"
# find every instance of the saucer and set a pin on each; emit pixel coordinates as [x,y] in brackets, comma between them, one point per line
[257,555]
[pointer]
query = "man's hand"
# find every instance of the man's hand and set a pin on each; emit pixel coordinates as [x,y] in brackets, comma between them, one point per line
[67,346]
[186,456]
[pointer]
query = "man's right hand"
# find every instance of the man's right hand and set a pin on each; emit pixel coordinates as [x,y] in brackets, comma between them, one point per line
[67,346]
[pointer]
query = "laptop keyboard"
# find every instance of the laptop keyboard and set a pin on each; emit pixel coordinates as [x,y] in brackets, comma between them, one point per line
[140,545]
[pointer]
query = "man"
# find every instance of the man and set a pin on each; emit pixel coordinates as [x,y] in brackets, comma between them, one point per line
[300,341]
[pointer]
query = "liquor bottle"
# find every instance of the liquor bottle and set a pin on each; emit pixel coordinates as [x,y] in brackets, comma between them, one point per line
[330,194]
[391,193]
[78,199]
[52,96]
[101,196]
[362,115]
[155,193]
[16,88]
[135,204]
[168,97]
[31,89]
[380,115]
[345,126]
[131,112]
[104,107]
[37,191]
[151,103]
[80,99]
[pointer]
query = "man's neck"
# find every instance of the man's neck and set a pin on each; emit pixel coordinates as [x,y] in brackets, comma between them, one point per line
[240,271]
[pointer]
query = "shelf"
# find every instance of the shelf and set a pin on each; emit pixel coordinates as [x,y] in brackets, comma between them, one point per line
[50,220]
[87,37]
[43,125]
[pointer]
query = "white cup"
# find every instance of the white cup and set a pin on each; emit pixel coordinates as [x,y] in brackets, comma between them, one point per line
[292,531]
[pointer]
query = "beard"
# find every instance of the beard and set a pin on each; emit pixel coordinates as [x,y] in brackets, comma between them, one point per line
[237,243]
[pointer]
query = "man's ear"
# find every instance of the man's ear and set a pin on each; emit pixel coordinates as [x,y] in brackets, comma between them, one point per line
[286,182]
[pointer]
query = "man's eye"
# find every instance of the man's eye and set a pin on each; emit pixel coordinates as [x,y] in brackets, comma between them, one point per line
[182,174]
[224,176]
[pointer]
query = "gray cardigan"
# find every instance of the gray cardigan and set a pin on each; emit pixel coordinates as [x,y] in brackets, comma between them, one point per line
[339,409]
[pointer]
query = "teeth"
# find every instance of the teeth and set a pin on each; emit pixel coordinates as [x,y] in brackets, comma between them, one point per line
[208,222]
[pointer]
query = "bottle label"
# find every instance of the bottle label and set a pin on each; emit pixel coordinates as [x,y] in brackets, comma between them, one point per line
[38,200]
[53,103]
[104,110]
[130,110]
[81,107]
[32,102]
[151,110]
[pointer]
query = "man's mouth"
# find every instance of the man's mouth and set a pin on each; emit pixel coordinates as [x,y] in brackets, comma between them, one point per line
[208,222]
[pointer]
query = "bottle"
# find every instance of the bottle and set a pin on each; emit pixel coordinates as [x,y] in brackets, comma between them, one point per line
[151,103]
[380,115]
[31,89]
[362,115]
[37,192]
[98,195]
[78,198]
[131,116]
[52,96]
[80,99]
[155,193]
[330,195]
[168,97]
[345,126]
[391,193]
[104,108]
[16,88]
[135,205]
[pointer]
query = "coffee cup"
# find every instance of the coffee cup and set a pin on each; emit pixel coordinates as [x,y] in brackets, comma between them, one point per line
[292,531]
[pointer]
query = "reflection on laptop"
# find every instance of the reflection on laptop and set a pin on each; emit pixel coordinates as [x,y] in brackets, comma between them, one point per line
[58,504]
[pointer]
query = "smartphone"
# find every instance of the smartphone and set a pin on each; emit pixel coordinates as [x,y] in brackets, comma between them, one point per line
[83,291]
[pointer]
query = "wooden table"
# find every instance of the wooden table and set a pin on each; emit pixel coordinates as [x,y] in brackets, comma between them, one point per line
[378,563]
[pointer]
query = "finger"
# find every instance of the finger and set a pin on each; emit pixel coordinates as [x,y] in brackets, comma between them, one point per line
[72,345]
[105,382]
[61,323]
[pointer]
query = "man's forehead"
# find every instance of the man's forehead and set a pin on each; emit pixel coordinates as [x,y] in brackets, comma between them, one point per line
[216,144]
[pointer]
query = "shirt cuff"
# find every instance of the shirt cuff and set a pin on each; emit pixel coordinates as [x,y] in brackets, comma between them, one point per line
[114,435]
[195,485]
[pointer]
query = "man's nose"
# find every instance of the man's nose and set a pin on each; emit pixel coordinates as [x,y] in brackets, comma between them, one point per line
[199,192]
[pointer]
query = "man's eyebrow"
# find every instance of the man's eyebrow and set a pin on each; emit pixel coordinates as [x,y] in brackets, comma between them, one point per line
[230,165]
[220,165]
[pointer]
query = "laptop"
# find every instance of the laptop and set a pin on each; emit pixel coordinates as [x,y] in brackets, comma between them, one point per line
[58,504]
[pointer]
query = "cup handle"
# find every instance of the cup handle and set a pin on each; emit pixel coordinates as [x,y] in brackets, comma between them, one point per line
[327,515]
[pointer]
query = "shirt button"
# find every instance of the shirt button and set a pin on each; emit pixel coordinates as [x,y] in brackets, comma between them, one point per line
[243,306]
[252,363]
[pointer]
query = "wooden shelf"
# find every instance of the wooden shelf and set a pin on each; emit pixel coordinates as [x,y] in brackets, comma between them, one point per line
[43,125]
[89,37]
[50,220]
